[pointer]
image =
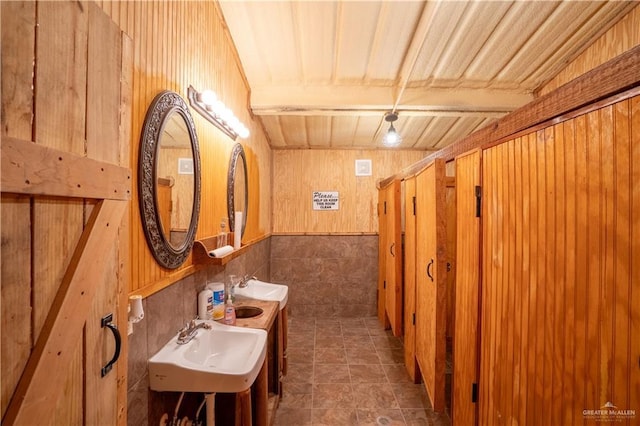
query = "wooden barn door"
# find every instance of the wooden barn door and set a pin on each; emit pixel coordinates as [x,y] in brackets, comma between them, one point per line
[66,184]
[465,343]
[561,268]
[431,280]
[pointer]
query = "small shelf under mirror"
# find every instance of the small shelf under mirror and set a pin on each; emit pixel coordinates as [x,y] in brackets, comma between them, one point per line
[202,247]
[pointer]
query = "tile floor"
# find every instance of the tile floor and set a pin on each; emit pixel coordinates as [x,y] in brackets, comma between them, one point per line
[349,372]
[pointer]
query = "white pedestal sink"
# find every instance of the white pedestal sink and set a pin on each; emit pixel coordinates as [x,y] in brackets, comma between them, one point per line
[222,359]
[261,290]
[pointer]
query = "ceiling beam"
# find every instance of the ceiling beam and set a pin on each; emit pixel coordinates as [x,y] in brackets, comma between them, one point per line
[345,112]
[412,54]
[376,100]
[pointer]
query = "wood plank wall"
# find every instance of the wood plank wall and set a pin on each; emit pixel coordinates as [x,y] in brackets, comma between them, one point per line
[297,173]
[177,44]
[621,37]
[560,306]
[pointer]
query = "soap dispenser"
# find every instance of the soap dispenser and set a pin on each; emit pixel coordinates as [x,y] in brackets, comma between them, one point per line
[229,311]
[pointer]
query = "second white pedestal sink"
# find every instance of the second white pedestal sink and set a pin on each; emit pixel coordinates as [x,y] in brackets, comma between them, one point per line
[261,290]
[221,359]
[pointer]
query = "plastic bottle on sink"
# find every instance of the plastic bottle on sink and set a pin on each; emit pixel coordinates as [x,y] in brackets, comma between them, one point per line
[229,312]
[205,304]
[218,300]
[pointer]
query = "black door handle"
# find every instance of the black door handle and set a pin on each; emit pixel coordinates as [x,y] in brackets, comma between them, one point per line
[391,250]
[429,270]
[106,322]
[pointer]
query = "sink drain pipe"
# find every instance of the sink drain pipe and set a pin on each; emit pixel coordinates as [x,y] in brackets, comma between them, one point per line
[197,418]
[175,421]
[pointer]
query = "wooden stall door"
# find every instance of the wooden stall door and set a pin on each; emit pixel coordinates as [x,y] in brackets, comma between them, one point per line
[390,258]
[465,338]
[393,255]
[382,259]
[560,314]
[431,280]
[409,277]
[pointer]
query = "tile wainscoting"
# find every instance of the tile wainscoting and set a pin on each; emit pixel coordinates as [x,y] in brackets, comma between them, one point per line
[328,275]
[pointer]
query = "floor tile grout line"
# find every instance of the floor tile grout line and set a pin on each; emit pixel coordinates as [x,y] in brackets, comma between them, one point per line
[378,348]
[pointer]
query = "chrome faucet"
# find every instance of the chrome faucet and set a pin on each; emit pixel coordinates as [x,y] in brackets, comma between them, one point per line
[189,331]
[245,281]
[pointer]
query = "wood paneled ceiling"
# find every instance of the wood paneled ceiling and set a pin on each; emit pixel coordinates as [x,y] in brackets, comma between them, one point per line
[324,73]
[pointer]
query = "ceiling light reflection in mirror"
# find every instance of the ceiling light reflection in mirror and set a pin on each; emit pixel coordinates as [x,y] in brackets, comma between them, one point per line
[215,111]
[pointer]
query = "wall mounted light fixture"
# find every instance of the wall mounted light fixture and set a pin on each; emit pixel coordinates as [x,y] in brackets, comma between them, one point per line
[392,137]
[212,108]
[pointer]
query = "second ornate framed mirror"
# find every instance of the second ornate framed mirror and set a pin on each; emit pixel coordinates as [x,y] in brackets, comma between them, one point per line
[237,187]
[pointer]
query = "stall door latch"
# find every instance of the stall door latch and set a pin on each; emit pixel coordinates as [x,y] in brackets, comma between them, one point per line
[478,199]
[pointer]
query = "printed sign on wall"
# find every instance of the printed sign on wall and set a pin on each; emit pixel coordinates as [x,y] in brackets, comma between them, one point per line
[325,200]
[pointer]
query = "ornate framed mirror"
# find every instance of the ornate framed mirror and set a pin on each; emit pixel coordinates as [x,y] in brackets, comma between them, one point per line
[237,187]
[169,179]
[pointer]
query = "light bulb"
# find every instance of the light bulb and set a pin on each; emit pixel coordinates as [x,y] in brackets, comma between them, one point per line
[208,97]
[243,132]
[226,115]
[234,123]
[391,138]
[217,108]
